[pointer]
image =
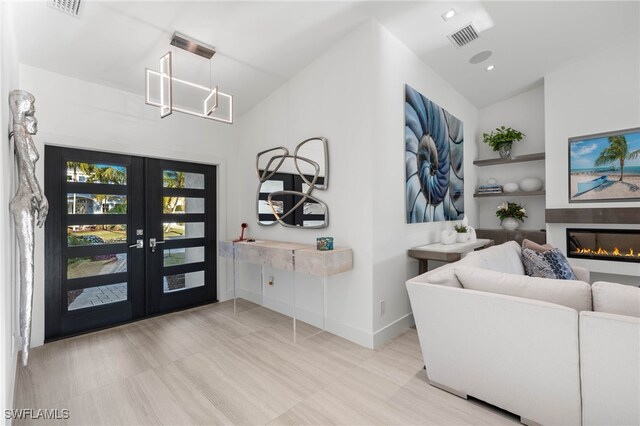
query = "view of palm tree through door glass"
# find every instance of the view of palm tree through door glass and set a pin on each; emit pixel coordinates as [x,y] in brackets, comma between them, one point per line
[181,217]
[124,236]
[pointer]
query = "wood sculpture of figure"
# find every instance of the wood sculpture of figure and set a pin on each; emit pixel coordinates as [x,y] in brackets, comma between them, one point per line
[28,205]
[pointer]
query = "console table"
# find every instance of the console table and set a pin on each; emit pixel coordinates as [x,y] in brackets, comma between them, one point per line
[294,257]
[445,252]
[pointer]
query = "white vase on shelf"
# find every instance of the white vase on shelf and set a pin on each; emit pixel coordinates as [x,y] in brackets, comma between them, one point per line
[510,187]
[510,223]
[531,184]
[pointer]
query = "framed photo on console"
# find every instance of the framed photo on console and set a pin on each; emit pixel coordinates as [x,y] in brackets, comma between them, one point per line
[605,167]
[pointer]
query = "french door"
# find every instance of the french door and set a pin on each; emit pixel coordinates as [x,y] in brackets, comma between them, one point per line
[126,237]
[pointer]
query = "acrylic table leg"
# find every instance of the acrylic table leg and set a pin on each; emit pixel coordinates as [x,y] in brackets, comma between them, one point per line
[262,285]
[234,279]
[293,258]
[324,303]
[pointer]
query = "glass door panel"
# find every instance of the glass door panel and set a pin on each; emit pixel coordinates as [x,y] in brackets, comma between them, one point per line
[181,217]
[89,265]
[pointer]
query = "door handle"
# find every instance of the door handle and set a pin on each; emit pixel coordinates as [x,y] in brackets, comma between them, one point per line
[153,243]
[138,244]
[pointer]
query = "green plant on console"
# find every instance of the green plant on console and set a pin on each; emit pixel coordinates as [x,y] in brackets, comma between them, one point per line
[503,137]
[460,229]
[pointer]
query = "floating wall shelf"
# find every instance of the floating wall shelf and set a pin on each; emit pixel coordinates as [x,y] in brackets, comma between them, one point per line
[510,194]
[518,159]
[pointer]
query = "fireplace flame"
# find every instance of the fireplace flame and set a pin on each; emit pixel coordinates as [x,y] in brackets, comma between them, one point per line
[602,252]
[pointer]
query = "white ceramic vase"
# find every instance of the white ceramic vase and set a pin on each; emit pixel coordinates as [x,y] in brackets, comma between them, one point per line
[510,224]
[462,237]
[510,187]
[531,184]
[448,237]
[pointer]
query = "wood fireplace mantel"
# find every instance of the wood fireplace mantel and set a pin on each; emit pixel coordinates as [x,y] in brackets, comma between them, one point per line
[608,215]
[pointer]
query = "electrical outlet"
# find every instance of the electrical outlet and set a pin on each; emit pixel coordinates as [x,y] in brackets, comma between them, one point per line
[270,281]
[381,307]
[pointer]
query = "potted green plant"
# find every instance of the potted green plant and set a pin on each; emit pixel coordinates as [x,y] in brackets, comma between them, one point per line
[509,215]
[502,139]
[462,233]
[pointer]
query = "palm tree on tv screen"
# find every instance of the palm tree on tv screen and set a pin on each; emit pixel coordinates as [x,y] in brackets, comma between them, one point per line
[616,151]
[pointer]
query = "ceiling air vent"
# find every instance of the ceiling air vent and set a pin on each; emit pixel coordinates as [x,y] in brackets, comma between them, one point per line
[464,35]
[71,7]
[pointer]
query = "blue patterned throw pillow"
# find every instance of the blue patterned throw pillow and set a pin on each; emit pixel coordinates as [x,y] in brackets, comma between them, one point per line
[550,264]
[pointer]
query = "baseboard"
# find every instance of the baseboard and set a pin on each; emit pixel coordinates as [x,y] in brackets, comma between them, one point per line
[392,330]
[355,335]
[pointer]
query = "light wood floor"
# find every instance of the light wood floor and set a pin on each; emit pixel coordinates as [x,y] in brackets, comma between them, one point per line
[207,366]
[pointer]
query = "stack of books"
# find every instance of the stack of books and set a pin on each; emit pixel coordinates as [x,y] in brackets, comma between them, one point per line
[490,188]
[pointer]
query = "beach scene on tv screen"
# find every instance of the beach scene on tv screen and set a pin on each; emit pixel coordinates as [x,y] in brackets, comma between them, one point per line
[605,168]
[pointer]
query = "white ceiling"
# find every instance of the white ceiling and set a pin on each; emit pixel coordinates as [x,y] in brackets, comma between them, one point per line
[261,45]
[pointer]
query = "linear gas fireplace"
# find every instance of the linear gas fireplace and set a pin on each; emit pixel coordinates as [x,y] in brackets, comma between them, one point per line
[604,244]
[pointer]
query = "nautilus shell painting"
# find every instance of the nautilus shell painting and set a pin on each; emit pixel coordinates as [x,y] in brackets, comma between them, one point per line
[434,147]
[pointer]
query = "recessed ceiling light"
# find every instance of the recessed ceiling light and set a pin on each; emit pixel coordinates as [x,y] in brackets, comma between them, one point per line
[449,14]
[480,57]
[490,67]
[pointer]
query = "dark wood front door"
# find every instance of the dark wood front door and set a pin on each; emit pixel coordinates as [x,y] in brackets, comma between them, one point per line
[105,209]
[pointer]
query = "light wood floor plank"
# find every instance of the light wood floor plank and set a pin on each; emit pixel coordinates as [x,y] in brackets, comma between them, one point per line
[209,366]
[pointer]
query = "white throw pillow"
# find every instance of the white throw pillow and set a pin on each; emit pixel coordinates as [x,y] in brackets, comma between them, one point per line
[503,258]
[573,294]
[615,298]
[445,275]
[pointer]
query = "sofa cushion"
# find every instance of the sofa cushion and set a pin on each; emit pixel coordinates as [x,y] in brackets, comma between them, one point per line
[540,248]
[502,258]
[549,264]
[573,294]
[445,275]
[615,298]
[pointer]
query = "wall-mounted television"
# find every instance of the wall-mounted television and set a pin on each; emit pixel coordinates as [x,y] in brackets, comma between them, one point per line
[605,167]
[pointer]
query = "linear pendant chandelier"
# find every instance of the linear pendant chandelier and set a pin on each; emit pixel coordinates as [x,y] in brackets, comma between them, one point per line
[171,94]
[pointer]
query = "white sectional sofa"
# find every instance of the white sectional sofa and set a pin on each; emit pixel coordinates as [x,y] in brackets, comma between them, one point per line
[521,354]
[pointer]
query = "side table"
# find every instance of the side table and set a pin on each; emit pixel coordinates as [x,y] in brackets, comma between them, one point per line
[445,252]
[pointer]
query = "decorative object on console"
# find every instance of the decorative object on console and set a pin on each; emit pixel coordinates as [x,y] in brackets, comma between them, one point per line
[162,87]
[605,167]
[448,236]
[434,146]
[287,181]
[502,140]
[531,184]
[470,229]
[242,227]
[463,233]
[509,215]
[510,187]
[29,206]
[324,243]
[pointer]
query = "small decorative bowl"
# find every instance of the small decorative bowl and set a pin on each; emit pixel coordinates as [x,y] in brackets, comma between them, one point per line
[324,243]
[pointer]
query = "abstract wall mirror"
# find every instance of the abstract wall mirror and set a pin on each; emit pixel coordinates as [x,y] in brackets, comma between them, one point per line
[315,149]
[287,181]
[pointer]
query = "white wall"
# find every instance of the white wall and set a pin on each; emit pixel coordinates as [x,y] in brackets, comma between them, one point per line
[396,65]
[597,94]
[332,97]
[8,284]
[79,114]
[524,112]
